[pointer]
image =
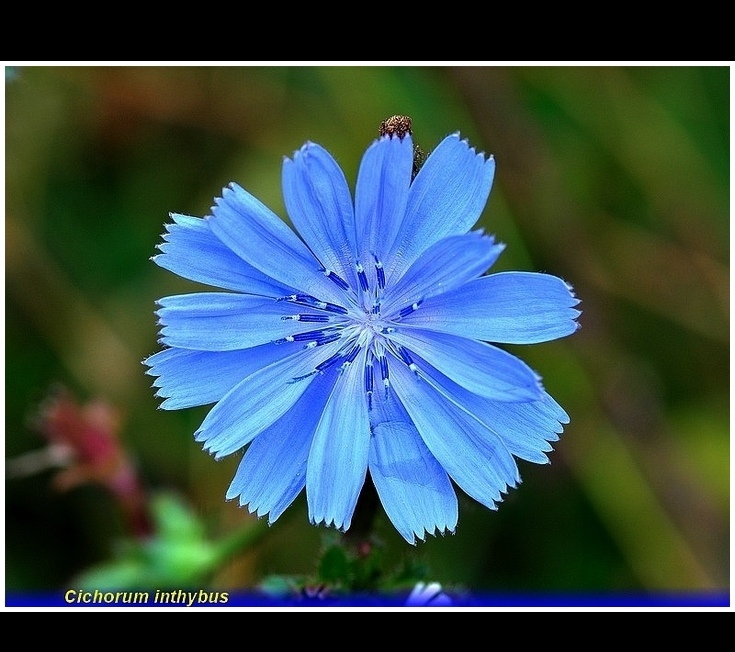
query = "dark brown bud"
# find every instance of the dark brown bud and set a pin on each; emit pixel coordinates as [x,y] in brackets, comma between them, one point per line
[396,125]
[400,125]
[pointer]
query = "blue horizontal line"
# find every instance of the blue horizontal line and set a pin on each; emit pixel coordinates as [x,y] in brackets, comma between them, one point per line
[213,598]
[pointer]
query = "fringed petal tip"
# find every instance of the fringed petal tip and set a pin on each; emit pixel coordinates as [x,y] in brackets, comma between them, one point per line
[426,532]
[435,532]
[243,503]
[298,152]
[178,218]
[232,188]
[487,158]
[406,138]
[422,533]
[165,403]
[575,300]
[321,520]
[209,447]
[236,492]
[489,237]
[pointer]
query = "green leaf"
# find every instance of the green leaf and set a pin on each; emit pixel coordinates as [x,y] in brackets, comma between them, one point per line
[335,567]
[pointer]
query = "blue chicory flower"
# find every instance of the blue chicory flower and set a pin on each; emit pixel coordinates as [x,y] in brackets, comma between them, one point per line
[364,345]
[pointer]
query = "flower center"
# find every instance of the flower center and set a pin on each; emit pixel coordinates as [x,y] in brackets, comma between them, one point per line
[358,325]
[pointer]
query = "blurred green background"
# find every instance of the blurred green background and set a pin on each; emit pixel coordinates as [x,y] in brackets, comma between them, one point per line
[614,178]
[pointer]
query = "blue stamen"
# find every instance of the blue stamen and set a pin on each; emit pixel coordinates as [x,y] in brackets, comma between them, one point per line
[297,298]
[298,378]
[314,338]
[362,277]
[383,367]
[308,335]
[327,339]
[337,279]
[313,302]
[307,318]
[369,378]
[328,362]
[380,272]
[353,354]
[409,309]
[333,307]
[405,356]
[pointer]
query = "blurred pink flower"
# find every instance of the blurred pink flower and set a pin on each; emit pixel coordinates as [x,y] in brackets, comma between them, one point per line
[84,440]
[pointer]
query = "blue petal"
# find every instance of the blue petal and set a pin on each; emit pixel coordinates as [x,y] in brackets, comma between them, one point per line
[381,194]
[525,428]
[193,252]
[188,378]
[508,307]
[446,198]
[261,238]
[259,400]
[319,204]
[475,458]
[273,470]
[445,265]
[478,367]
[220,321]
[414,489]
[338,457]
